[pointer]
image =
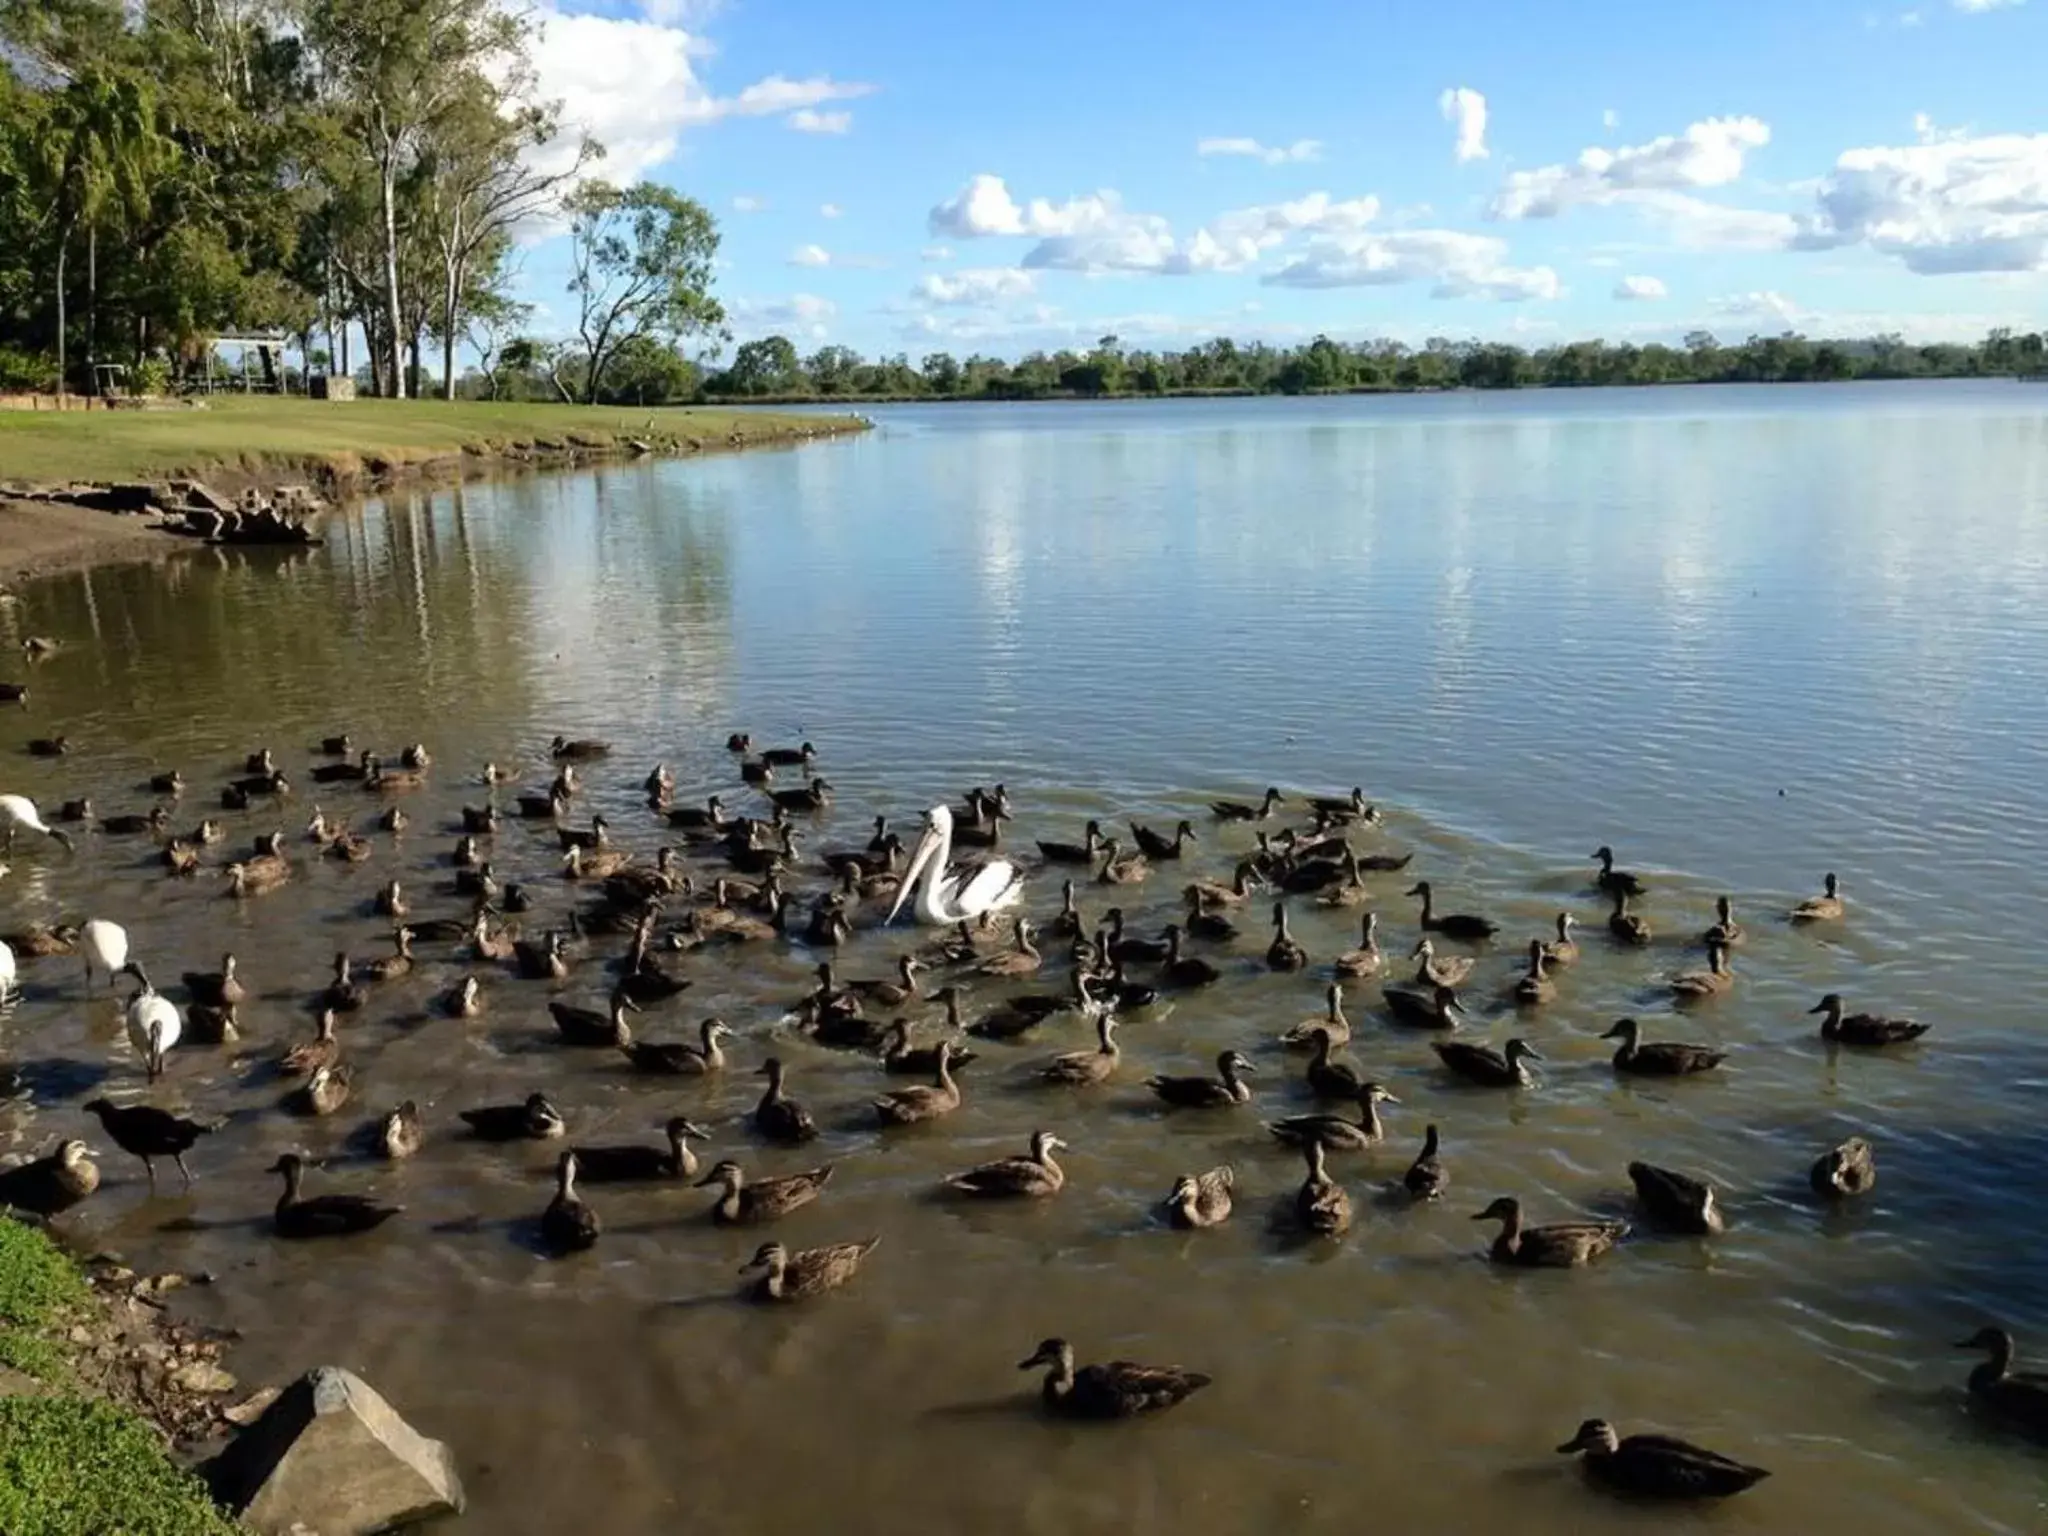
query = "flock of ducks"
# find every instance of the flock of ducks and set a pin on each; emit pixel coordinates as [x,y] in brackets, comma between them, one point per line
[733,882]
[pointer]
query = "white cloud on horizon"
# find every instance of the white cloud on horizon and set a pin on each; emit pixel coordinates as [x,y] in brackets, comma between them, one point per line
[1707,154]
[1457,265]
[1301,151]
[975,286]
[1637,289]
[1465,109]
[1947,204]
[805,313]
[809,120]
[810,256]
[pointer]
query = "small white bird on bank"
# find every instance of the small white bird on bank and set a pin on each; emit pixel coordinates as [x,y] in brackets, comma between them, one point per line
[104,946]
[6,972]
[18,814]
[154,1024]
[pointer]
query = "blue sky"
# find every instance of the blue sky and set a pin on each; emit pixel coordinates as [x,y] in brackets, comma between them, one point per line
[913,176]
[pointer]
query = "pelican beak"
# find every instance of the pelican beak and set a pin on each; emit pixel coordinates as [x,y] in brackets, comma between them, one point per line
[927,845]
[63,838]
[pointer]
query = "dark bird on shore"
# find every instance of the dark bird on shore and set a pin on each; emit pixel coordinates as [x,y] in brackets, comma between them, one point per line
[1657,1466]
[323,1215]
[1119,1389]
[534,1120]
[51,1184]
[144,1131]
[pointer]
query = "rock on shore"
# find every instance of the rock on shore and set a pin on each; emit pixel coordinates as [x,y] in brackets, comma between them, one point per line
[330,1455]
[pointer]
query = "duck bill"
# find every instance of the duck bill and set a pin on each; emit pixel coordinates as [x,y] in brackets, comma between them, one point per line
[927,846]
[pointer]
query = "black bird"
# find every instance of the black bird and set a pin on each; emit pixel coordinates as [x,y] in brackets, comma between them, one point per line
[634,1162]
[1235,810]
[1084,852]
[1158,847]
[144,1131]
[1657,1466]
[1457,925]
[1115,1390]
[534,1120]
[568,1225]
[789,757]
[777,1116]
[323,1215]
[563,750]
[1616,882]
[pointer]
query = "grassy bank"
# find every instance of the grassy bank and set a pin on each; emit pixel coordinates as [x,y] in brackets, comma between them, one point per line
[73,1463]
[363,439]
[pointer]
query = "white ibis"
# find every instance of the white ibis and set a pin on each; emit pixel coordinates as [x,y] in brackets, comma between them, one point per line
[105,947]
[18,814]
[154,1024]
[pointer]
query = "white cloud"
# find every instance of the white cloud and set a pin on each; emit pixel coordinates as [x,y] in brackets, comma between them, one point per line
[1610,119]
[829,210]
[747,202]
[804,313]
[1707,154]
[810,256]
[1765,304]
[984,207]
[809,120]
[1697,224]
[1465,108]
[1458,265]
[1979,7]
[1949,204]
[1641,288]
[976,286]
[680,13]
[1299,152]
[632,84]
[936,253]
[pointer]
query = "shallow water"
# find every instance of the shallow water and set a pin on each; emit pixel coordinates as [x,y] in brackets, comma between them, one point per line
[1747,636]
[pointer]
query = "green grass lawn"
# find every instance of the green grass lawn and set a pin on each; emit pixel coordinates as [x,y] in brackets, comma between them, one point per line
[70,1465]
[254,433]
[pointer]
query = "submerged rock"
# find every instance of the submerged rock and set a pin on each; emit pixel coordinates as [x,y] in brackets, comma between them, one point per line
[331,1455]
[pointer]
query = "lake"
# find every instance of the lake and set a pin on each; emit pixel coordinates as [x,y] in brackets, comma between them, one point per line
[1747,636]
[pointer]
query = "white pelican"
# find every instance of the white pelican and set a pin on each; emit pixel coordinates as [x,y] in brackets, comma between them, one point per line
[6,972]
[952,893]
[154,1025]
[18,813]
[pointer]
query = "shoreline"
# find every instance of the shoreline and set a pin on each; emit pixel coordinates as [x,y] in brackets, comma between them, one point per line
[41,538]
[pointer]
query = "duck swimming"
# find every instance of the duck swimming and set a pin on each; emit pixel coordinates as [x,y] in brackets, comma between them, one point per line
[2020,1398]
[924,1101]
[1697,986]
[1845,1171]
[1222,1091]
[1425,1178]
[1330,1022]
[1321,1205]
[1725,931]
[779,1117]
[807,1273]
[1201,1199]
[1285,953]
[52,1184]
[1483,1065]
[1562,1245]
[1033,1176]
[323,1215]
[1663,1058]
[1626,926]
[533,1120]
[569,1224]
[1083,852]
[1675,1202]
[1081,1069]
[1870,1030]
[1536,988]
[1158,847]
[1118,1390]
[1564,949]
[741,1203]
[1824,908]
[1234,810]
[1327,1077]
[1334,1132]
[1657,1466]
[1120,868]
[1616,882]
[1456,925]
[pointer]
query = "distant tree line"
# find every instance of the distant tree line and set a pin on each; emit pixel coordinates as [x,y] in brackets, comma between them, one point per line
[771,368]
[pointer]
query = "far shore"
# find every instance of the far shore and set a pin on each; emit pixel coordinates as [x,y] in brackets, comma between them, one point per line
[341,452]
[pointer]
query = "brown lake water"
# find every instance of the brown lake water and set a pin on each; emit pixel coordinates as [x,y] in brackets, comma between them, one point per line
[1745,635]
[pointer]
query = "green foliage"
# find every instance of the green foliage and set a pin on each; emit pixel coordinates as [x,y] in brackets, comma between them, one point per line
[37,1283]
[26,372]
[69,1467]
[645,372]
[640,262]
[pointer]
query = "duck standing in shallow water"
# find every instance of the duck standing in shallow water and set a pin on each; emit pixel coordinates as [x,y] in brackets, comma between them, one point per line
[1118,1390]
[1657,1466]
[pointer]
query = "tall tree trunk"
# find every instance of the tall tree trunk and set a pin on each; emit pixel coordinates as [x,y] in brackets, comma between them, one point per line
[373,346]
[412,378]
[63,240]
[347,363]
[92,307]
[394,328]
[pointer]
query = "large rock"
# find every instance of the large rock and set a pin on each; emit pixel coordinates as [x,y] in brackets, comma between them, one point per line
[332,1456]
